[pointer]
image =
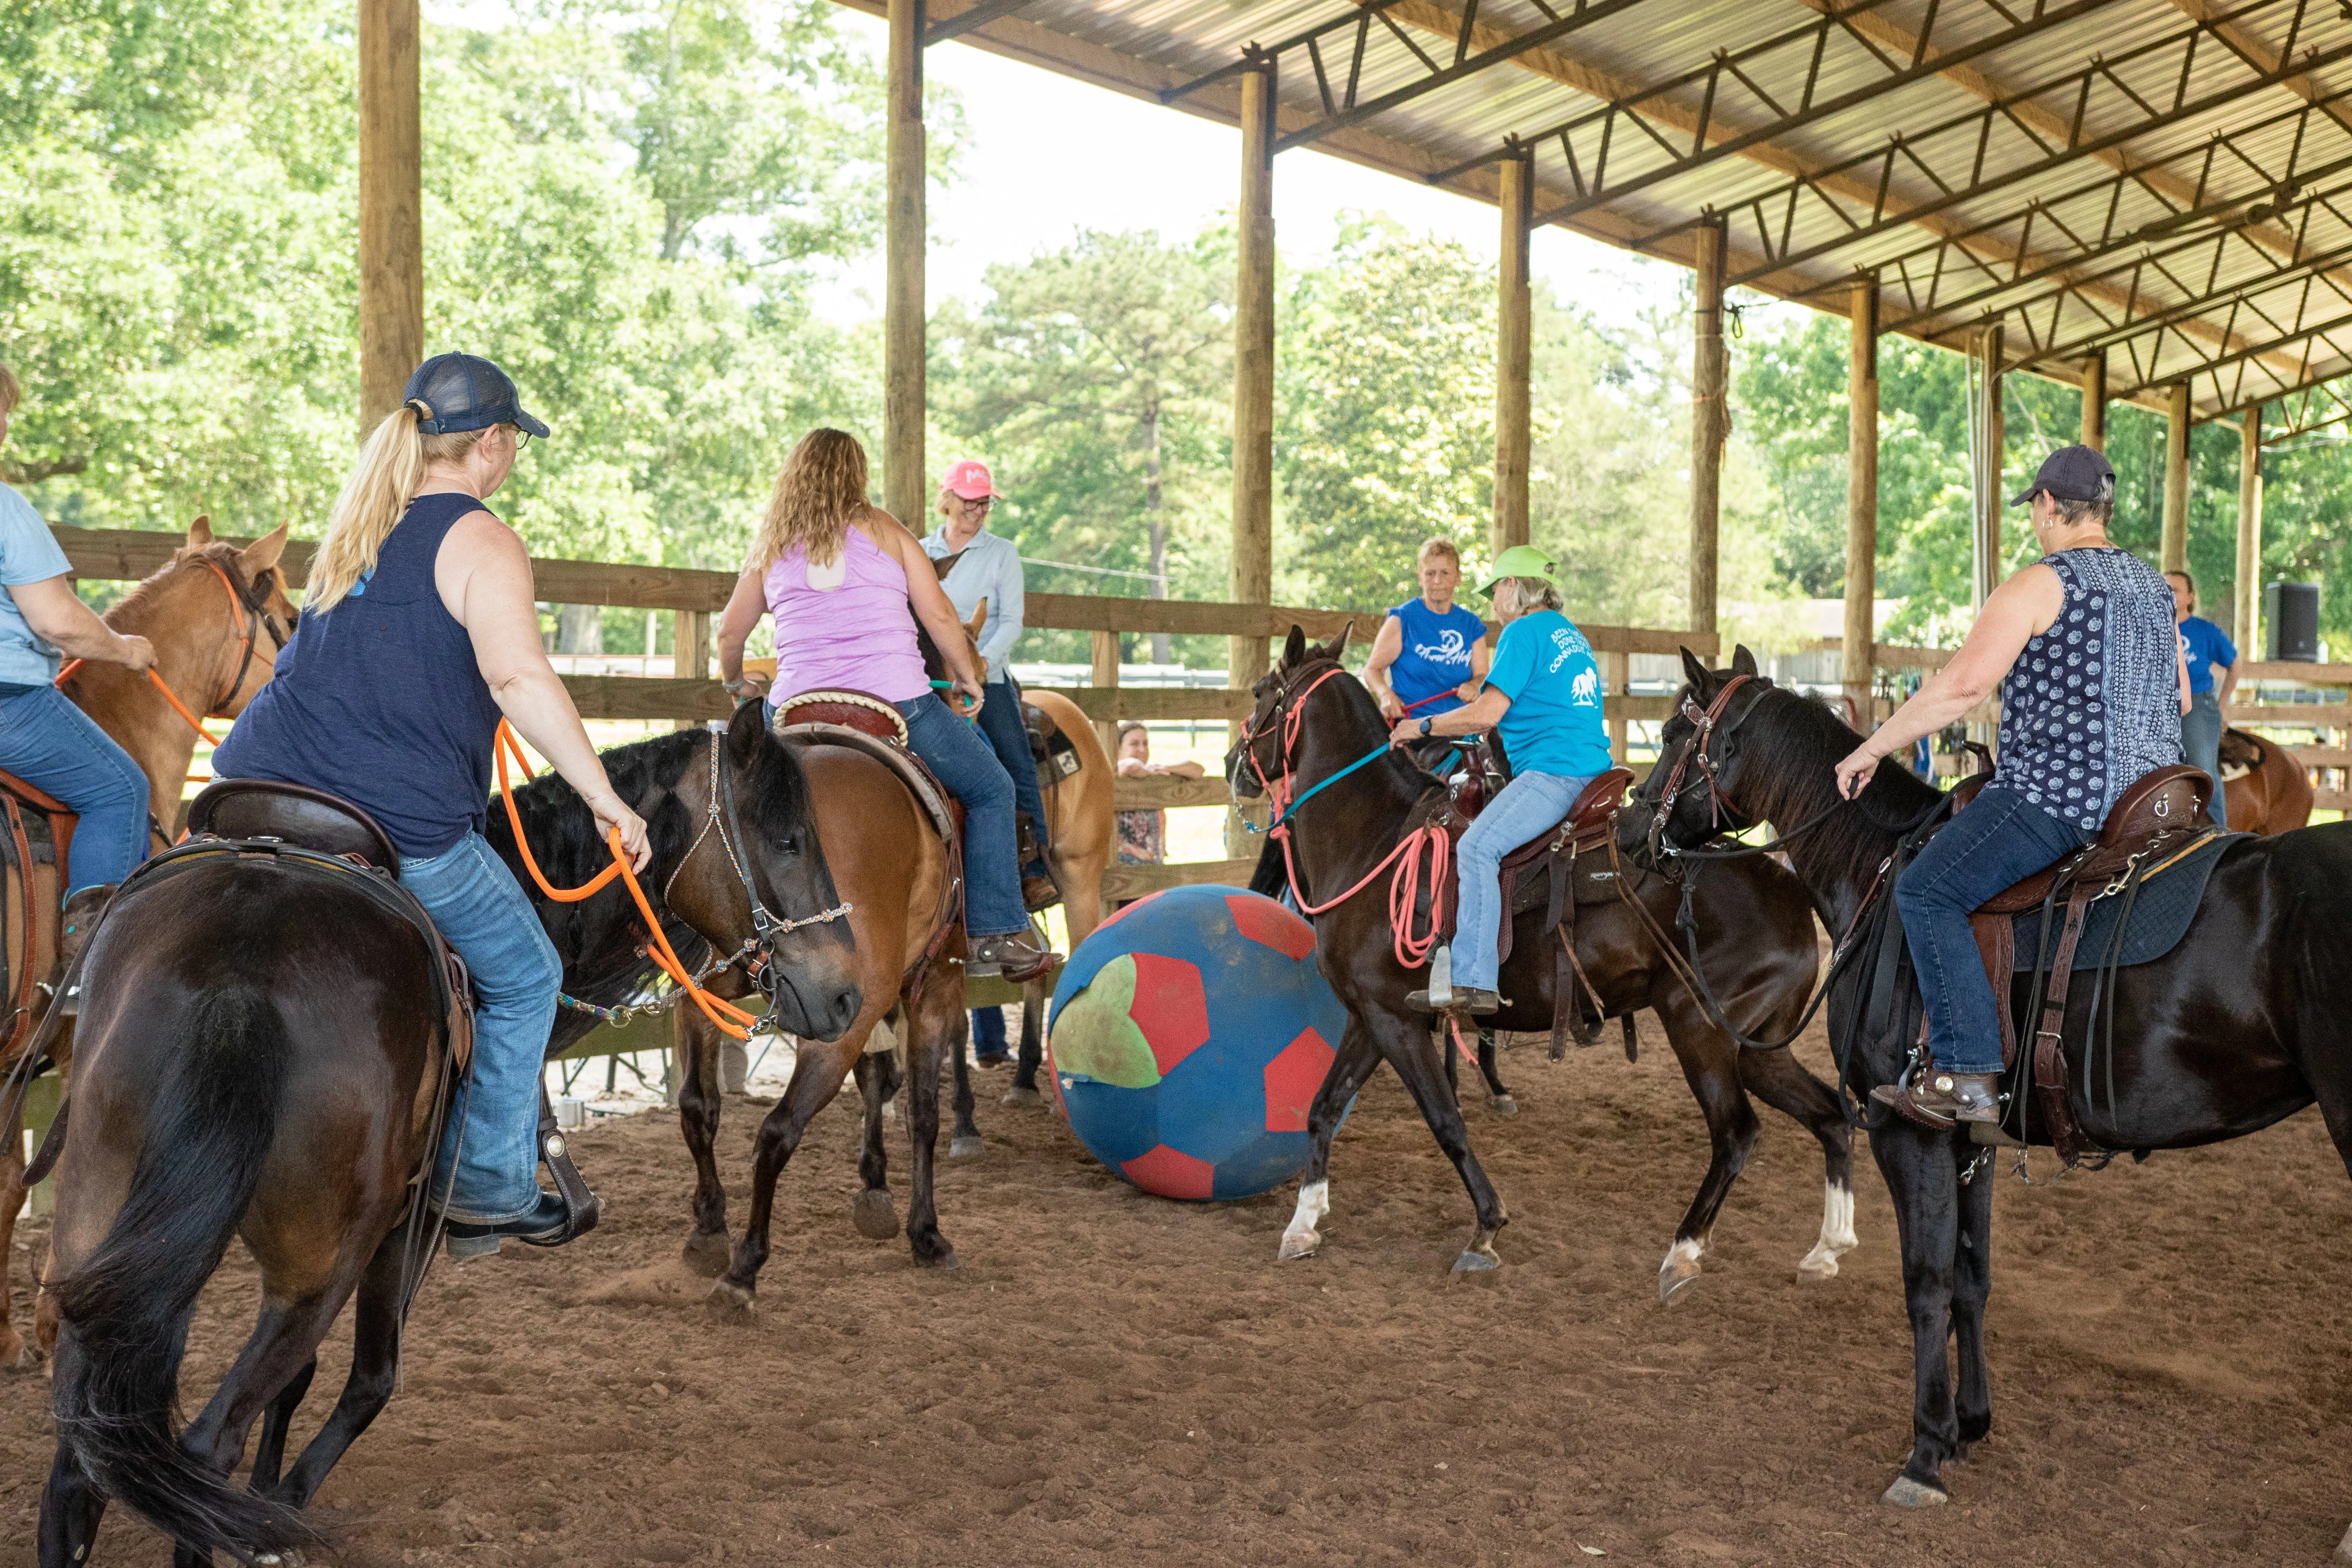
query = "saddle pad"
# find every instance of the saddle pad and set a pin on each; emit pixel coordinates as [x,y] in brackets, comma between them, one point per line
[2159,917]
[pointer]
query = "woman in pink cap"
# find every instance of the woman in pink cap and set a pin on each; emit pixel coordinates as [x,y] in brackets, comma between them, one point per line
[840,576]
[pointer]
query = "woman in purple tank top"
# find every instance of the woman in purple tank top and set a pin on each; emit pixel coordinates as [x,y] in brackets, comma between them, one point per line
[840,577]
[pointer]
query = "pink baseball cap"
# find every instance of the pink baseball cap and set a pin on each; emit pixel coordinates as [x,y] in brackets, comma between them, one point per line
[970,479]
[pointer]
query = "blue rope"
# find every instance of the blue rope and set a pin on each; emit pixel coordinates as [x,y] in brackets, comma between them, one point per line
[1292,810]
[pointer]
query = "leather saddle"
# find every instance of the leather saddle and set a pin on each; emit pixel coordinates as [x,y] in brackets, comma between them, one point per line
[265,809]
[2160,817]
[36,835]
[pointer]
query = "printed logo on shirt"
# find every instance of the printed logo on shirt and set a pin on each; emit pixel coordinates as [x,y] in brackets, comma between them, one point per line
[1451,648]
[1584,691]
[1570,642]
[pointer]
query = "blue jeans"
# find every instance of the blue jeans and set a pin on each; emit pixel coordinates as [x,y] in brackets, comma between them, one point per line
[951,748]
[1998,839]
[478,906]
[987,1032]
[52,745]
[2200,739]
[1528,803]
[999,720]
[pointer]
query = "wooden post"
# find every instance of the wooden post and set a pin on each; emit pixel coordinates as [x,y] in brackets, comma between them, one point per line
[2245,586]
[1514,356]
[1710,425]
[904,471]
[1619,675]
[1990,434]
[1862,502]
[391,206]
[2176,479]
[689,651]
[1250,580]
[2094,402]
[1106,679]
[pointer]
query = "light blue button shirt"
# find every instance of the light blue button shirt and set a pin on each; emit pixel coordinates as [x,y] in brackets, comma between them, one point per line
[29,553]
[988,568]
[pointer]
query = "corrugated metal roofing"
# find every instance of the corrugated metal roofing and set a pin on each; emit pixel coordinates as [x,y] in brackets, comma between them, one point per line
[2166,182]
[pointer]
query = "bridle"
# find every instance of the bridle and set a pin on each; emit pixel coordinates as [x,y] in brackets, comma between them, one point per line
[1286,716]
[1707,725]
[249,623]
[757,951]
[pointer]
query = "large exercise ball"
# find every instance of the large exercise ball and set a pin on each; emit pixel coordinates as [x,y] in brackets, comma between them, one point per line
[1187,1038]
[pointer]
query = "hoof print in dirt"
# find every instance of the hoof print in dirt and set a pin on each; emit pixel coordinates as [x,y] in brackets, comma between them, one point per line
[874,1215]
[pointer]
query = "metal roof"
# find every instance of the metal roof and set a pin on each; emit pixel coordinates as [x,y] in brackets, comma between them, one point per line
[2168,182]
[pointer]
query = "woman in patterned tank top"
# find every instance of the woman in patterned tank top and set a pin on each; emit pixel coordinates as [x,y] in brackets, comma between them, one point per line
[2092,688]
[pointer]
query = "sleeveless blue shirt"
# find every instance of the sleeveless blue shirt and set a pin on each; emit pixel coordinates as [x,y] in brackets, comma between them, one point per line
[1435,657]
[2094,703]
[380,699]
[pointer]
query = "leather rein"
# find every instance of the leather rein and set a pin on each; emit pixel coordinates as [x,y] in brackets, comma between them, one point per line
[247,619]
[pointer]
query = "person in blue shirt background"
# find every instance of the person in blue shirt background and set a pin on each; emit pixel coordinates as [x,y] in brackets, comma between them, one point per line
[2203,645]
[1543,696]
[44,740]
[1431,653]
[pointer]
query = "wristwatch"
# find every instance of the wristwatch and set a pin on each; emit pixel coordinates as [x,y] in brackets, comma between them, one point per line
[1425,726]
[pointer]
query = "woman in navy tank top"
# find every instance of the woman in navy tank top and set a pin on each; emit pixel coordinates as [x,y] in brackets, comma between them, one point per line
[2093,686]
[419,629]
[1430,651]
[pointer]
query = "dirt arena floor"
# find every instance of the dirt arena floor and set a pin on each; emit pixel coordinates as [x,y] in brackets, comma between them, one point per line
[1115,1378]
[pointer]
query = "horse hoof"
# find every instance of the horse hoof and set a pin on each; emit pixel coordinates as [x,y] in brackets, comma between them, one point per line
[1818,1265]
[707,1253]
[1503,1105]
[1908,1493]
[1674,1279]
[964,1145]
[1017,1095]
[1297,1245]
[943,1259]
[730,1301]
[1478,1257]
[873,1214]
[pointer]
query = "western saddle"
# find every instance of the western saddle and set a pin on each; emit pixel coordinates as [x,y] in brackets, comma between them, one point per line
[2156,820]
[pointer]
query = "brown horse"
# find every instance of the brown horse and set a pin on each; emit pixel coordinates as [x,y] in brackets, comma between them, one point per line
[216,615]
[1339,835]
[2265,788]
[891,869]
[278,1087]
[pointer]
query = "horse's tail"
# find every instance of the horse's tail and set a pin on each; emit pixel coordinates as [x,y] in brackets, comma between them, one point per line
[210,1115]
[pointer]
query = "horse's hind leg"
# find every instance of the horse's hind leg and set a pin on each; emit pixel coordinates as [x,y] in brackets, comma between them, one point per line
[936,1024]
[1498,1098]
[873,1214]
[269,1454]
[1780,1082]
[966,1141]
[13,1351]
[699,1101]
[1033,1047]
[1710,1061]
[71,1505]
[375,1363]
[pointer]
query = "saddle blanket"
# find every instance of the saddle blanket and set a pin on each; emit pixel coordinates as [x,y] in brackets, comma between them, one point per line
[2167,901]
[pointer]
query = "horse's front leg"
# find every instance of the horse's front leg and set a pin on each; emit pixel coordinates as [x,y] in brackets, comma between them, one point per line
[1357,1055]
[13,1351]
[696,1045]
[1971,1288]
[1922,1176]
[1498,1098]
[1407,1045]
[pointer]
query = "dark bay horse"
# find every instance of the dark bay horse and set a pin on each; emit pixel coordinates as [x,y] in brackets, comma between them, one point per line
[891,869]
[1341,833]
[2243,1024]
[278,1087]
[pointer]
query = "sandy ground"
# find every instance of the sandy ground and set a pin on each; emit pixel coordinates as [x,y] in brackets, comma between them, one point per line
[1113,1377]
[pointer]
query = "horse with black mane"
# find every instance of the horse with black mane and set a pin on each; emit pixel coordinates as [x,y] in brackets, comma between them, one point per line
[2242,1025]
[289,1088]
[1339,835]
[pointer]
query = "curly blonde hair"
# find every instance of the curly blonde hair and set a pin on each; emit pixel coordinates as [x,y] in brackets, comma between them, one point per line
[819,494]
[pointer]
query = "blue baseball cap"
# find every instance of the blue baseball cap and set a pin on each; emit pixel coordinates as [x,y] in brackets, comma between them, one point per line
[464,392]
[2072,473]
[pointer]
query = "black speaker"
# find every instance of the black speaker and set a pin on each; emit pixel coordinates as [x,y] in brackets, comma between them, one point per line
[2291,622]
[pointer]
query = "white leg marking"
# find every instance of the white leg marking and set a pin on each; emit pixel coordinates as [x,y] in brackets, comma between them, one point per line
[1837,1233]
[1682,1257]
[1301,1239]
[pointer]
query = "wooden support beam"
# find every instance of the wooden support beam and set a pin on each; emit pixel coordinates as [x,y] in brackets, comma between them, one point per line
[1989,436]
[2176,477]
[391,206]
[1105,648]
[1860,501]
[689,650]
[1618,672]
[1709,426]
[904,470]
[1251,577]
[2094,402]
[1514,359]
[2246,581]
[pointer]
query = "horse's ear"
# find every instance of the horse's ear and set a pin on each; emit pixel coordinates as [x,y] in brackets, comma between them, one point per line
[1695,673]
[259,556]
[200,532]
[1294,649]
[1742,661]
[746,731]
[1338,646]
[979,619]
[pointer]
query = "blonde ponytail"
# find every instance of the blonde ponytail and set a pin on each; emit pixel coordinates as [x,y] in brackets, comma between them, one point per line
[391,467]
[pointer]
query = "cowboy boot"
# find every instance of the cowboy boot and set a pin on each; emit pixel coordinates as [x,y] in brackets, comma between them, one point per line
[1941,1100]
[1474,1001]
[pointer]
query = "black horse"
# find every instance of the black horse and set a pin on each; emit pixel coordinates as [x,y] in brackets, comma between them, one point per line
[2242,1025]
[282,1086]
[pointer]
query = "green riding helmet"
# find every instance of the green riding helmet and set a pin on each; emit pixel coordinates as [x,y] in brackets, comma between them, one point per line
[1522,561]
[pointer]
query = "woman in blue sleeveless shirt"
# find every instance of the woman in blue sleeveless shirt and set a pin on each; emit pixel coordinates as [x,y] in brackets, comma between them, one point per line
[1431,653]
[2092,689]
[418,630]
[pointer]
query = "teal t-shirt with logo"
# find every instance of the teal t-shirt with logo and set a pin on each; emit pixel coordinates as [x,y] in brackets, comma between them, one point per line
[1545,666]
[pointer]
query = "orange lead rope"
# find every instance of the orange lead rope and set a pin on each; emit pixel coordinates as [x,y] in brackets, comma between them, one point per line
[724,1016]
[177,706]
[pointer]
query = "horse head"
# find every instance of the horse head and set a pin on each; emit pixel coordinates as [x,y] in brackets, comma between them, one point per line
[1689,792]
[1264,751]
[219,616]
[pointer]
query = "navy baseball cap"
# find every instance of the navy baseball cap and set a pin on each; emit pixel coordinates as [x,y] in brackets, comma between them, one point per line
[464,392]
[2072,473]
